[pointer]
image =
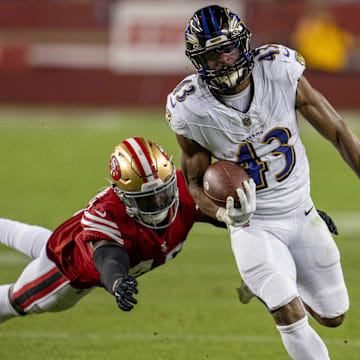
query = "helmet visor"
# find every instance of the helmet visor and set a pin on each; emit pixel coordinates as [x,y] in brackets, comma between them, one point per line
[157,199]
[157,207]
[213,59]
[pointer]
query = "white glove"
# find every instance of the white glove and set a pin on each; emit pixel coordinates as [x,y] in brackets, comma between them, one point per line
[239,217]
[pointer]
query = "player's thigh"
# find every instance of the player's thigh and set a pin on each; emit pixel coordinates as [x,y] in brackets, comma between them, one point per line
[29,239]
[43,288]
[320,278]
[266,265]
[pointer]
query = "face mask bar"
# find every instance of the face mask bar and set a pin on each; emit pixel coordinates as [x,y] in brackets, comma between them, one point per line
[214,54]
[228,77]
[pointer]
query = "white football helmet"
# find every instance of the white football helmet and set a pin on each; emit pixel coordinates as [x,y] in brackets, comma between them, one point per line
[144,178]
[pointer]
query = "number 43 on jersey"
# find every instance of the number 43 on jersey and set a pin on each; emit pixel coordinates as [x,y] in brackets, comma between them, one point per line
[257,168]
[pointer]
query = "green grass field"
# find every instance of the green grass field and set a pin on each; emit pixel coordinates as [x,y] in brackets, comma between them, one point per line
[54,160]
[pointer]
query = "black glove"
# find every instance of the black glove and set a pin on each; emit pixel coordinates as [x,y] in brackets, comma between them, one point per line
[124,289]
[328,221]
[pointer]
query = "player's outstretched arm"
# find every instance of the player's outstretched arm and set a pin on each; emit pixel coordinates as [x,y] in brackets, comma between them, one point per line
[112,262]
[324,118]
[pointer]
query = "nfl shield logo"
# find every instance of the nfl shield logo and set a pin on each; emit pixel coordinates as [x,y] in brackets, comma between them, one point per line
[246,121]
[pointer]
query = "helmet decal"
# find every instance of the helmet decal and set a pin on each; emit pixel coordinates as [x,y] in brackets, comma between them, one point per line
[142,159]
[214,23]
[235,23]
[114,168]
[192,38]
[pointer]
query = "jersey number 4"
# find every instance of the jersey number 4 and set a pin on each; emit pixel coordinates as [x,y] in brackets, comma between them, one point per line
[257,168]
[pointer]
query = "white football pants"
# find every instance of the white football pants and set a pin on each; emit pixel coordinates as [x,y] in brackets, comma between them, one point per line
[284,256]
[41,287]
[281,257]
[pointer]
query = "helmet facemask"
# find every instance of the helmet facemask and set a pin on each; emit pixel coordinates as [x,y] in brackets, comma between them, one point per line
[155,206]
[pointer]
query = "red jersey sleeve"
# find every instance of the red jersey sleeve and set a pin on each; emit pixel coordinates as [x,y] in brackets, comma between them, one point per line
[100,219]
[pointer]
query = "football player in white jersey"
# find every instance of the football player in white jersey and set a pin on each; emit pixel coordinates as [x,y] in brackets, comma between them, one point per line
[242,106]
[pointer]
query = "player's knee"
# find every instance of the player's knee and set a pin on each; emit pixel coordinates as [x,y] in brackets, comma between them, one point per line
[62,299]
[325,321]
[289,313]
[332,322]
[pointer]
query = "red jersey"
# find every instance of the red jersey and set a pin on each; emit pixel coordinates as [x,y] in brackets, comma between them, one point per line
[106,218]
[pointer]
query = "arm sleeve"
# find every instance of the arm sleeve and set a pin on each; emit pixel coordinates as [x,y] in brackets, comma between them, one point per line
[112,262]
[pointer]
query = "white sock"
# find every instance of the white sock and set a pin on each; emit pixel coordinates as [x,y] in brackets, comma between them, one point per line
[6,310]
[302,342]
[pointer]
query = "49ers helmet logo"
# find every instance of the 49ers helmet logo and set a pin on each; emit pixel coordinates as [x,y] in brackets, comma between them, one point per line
[114,168]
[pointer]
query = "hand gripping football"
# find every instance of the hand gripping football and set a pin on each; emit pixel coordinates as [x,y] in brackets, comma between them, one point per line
[221,179]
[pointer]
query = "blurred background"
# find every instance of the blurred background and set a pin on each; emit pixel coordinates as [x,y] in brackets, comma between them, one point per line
[79,76]
[131,53]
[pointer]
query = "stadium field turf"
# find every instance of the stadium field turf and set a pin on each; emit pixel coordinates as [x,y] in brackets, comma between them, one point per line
[54,160]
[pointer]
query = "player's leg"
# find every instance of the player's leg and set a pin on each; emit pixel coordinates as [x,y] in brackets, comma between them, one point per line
[246,295]
[28,239]
[300,340]
[267,267]
[7,311]
[320,277]
[265,264]
[334,321]
[40,288]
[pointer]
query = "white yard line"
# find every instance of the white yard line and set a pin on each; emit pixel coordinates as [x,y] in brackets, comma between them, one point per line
[347,223]
[151,337]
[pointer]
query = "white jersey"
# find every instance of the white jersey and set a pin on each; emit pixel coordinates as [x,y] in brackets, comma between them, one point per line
[265,140]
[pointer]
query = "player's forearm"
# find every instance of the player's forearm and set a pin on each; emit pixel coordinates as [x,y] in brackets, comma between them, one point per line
[193,165]
[348,145]
[204,203]
[323,117]
[112,262]
[332,127]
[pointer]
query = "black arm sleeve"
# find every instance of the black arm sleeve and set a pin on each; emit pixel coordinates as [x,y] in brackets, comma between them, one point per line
[112,262]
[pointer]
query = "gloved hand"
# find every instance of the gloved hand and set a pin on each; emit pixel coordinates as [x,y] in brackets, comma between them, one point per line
[239,217]
[328,221]
[124,289]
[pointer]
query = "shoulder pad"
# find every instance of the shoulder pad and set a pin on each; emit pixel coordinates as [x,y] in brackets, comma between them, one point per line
[185,101]
[279,62]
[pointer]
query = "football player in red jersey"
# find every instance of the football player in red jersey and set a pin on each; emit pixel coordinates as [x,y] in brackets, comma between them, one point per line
[133,226]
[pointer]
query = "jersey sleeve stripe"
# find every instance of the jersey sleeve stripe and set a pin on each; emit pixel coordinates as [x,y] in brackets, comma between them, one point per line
[99,219]
[107,233]
[99,226]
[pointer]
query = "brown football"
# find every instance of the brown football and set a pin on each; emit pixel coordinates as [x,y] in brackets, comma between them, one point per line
[221,179]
